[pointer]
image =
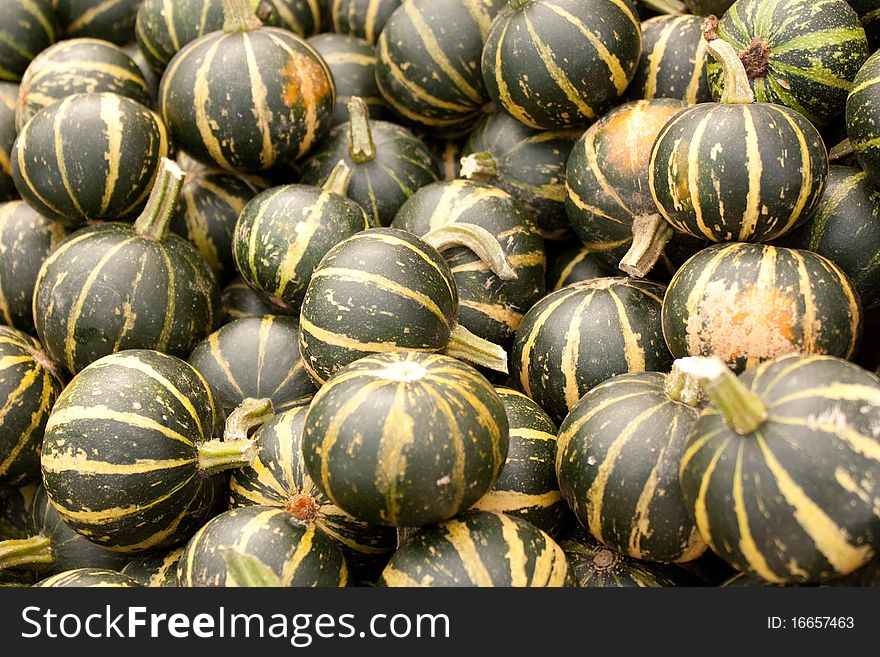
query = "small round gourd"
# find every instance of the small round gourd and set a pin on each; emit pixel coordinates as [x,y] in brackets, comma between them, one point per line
[28,28]
[405,439]
[154,569]
[361,18]
[162,29]
[113,21]
[88,578]
[8,132]
[863,117]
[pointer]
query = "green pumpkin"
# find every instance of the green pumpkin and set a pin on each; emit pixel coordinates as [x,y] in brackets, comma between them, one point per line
[297,555]
[254,357]
[780,469]
[88,578]
[479,549]
[29,385]
[578,56]
[572,265]
[113,20]
[862,111]
[163,28]
[405,439]
[278,478]
[241,301]
[90,156]
[302,17]
[8,132]
[795,56]
[28,28]
[361,18]
[528,164]
[870,17]
[747,303]
[265,100]
[154,569]
[559,353]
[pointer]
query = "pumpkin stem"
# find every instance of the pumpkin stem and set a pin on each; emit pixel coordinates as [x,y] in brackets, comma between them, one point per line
[742,409]
[246,571]
[30,553]
[841,150]
[477,239]
[651,233]
[155,220]
[338,180]
[360,137]
[470,347]
[737,89]
[666,6]
[302,507]
[479,165]
[239,16]
[247,416]
[218,455]
[683,388]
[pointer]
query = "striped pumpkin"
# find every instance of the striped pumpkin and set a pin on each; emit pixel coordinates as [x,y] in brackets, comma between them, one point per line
[846,229]
[528,164]
[278,478]
[163,28]
[302,17]
[479,549]
[405,439]
[297,555]
[361,18]
[254,357]
[617,460]
[88,578]
[241,301]
[266,99]
[488,306]
[90,156]
[527,487]
[607,198]
[8,132]
[29,386]
[129,453]
[282,234]
[352,61]
[581,335]
[577,55]
[78,66]
[28,28]
[862,112]
[795,56]
[154,569]
[747,303]
[26,238]
[113,286]
[673,62]
[572,265]
[780,470]
[112,20]
[597,566]
[428,62]
[388,163]
[869,14]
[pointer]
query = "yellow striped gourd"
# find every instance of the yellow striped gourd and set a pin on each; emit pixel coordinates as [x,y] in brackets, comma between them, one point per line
[862,111]
[28,28]
[361,18]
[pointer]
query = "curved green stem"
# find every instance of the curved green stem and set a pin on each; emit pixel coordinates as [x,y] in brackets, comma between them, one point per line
[239,16]
[467,346]
[840,150]
[477,239]
[155,220]
[683,388]
[29,553]
[338,180]
[479,165]
[360,145]
[737,89]
[247,416]
[651,233]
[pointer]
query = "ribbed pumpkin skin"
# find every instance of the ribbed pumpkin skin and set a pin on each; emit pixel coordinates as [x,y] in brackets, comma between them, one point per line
[673,62]
[254,357]
[527,486]
[112,20]
[119,454]
[361,18]
[88,578]
[90,156]
[163,28]
[278,478]
[78,66]
[488,306]
[154,569]
[862,110]
[302,17]
[298,555]
[559,353]
[530,167]
[578,56]
[380,290]
[596,566]
[606,180]
[479,549]
[405,439]
[809,71]
[239,116]
[747,303]
[282,234]
[431,76]
[8,97]
[106,288]
[617,460]
[402,165]
[870,17]
[572,265]
[352,62]
[26,237]
[747,173]
[28,389]
[241,301]
[28,28]
[795,500]
[846,229]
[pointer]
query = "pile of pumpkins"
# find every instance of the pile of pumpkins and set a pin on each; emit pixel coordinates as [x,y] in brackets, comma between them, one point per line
[439,293]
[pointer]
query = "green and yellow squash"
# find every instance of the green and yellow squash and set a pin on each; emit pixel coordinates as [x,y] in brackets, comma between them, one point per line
[361,18]
[154,569]
[112,20]
[863,117]
[869,13]
[572,265]
[8,133]
[28,28]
